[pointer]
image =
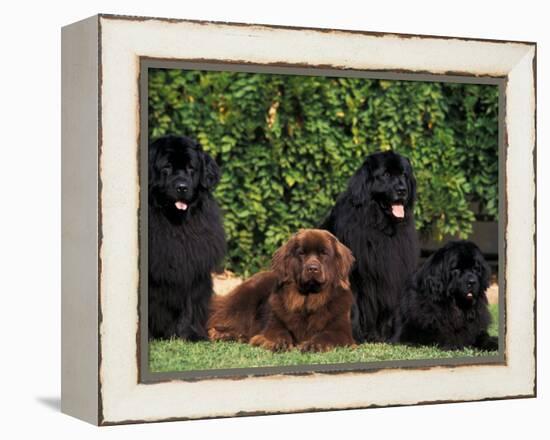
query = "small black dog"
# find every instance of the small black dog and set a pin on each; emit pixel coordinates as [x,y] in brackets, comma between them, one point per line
[374,218]
[186,237]
[445,303]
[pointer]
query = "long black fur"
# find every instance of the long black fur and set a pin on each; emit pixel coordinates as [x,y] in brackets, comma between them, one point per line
[185,245]
[385,247]
[445,303]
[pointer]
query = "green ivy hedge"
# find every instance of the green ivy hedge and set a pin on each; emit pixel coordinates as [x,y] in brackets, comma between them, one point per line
[288,144]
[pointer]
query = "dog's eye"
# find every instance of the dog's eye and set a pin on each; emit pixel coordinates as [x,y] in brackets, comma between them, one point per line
[301,252]
[455,271]
[386,174]
[166,170]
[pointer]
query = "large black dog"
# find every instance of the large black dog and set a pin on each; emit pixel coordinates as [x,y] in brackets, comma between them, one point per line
[445,303]
[374,218]
[186,237]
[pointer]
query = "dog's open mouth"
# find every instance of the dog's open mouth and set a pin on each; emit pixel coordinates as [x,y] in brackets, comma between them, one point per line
[470,296]
[398,210]
[182,206]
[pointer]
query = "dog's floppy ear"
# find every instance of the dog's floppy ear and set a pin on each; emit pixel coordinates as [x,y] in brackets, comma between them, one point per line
[153,151]
[411,182]
[485,276]
[359,184]
[344,260]
[210,172]
[280,263]
[431,280]
[432,286]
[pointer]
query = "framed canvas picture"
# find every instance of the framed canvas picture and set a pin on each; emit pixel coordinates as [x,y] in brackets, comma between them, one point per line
[262,219]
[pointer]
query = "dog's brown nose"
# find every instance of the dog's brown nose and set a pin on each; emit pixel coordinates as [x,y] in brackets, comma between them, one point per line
[313,268]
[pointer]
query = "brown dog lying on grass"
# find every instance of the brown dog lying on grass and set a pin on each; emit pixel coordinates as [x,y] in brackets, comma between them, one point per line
[304,302]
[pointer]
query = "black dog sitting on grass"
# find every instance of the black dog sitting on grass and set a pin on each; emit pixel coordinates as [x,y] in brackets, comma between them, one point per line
[374,218]
[186,237]
[446,303]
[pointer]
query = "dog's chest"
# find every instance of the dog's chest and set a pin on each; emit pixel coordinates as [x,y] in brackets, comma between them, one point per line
[177,239]
[459,324]
[179,252]
[305,324]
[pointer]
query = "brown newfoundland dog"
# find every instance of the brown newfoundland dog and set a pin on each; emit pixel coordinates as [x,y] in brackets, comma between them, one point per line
[304,302]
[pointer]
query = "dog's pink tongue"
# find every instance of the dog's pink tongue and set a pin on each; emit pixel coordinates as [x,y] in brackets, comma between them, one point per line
[180,205]
[398,211]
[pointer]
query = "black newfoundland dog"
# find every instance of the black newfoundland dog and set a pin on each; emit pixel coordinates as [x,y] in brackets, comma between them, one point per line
[445,303]
[374,218]
[186,237]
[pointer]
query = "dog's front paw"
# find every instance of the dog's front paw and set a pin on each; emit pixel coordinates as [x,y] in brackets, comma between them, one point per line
[315,346]
[491,344]
[278,344]
[486,342]
[219,335]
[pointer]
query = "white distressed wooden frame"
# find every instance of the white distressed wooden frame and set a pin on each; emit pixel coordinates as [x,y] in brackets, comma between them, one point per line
[100,203]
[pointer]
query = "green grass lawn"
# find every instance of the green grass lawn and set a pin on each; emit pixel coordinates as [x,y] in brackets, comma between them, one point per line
[178,355]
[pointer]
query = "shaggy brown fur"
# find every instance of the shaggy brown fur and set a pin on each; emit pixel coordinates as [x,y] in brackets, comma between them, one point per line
[304,302]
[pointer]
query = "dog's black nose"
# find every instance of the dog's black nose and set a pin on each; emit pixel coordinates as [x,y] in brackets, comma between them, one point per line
[401,191]
[470,282]
[313,268]
[182,188]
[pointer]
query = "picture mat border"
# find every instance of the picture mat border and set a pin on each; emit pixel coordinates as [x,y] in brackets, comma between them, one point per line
[122,399]
[148,376]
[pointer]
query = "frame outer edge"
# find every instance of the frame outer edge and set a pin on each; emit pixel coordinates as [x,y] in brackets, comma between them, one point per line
[535,202]
[237,24]
[80,223]
[108,420]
